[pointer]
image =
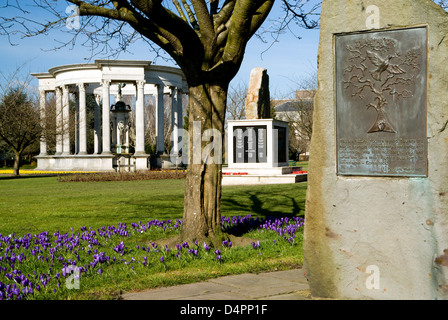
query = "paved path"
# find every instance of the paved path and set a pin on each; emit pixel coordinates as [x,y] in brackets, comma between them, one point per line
[278,285]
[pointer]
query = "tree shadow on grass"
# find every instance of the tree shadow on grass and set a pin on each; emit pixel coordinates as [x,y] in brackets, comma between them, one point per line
[258,207]
[260,212]
[10,177]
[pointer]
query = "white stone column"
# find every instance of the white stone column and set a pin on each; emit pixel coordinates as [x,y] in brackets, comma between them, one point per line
[97,125]
[82,119]
[140,119]
[160,120]
[43,141]
[59,123]
[106,116]
[76,122]
[180,108]
[175,119]
[65,121]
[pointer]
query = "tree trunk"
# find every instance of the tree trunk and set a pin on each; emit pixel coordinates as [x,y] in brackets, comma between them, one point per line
[17,158]
[202,213]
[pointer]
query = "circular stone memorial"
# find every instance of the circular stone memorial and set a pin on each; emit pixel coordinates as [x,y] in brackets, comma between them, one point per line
[106,80]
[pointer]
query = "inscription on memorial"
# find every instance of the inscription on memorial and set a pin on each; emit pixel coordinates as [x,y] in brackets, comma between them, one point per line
[381,102]
[250,145]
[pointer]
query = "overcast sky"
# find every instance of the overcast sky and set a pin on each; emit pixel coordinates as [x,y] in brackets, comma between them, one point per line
[286,61]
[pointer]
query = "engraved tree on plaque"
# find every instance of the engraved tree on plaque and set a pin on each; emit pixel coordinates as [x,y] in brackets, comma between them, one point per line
[375,70]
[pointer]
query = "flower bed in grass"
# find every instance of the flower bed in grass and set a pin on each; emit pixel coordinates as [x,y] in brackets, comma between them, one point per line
[39,172]
[36,266]
[123,176]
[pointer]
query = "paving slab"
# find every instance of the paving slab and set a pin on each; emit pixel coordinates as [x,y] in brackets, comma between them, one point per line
[177,292]
[278,285]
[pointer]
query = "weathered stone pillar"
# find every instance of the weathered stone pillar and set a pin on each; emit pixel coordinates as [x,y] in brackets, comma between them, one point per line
[43,141]
[106,116]
[377,200]
[82,119]
[258,97]
[140,119]
[160,120]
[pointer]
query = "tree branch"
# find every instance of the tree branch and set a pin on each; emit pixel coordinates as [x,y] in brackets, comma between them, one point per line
[223,16]
[247,15]
[179,10]
[191,16]
[297,10]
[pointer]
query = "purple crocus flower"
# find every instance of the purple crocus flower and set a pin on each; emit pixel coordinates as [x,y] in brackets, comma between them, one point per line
[256,245]
[119,248]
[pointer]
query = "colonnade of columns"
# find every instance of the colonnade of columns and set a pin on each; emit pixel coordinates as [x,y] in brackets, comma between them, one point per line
[102,124]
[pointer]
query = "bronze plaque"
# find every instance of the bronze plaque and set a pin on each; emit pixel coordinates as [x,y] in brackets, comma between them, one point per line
[381,103]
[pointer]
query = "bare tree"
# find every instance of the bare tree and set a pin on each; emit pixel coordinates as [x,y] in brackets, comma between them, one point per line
[20,124]
[443,3]
[50,125]
[299,113]
[236,99]
[306,89]
[207,40]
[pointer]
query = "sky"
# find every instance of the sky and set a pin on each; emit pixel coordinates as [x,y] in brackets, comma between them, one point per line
[287,61]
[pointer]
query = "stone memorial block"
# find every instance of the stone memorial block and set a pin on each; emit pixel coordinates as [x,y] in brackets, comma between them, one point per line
[258,143]
[258,97]
[377,200]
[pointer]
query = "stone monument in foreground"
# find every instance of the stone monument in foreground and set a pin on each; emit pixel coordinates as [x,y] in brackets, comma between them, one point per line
[377,200]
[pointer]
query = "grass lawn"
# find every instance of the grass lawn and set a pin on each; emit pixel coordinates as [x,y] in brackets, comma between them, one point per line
[44,204]
[80,210]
